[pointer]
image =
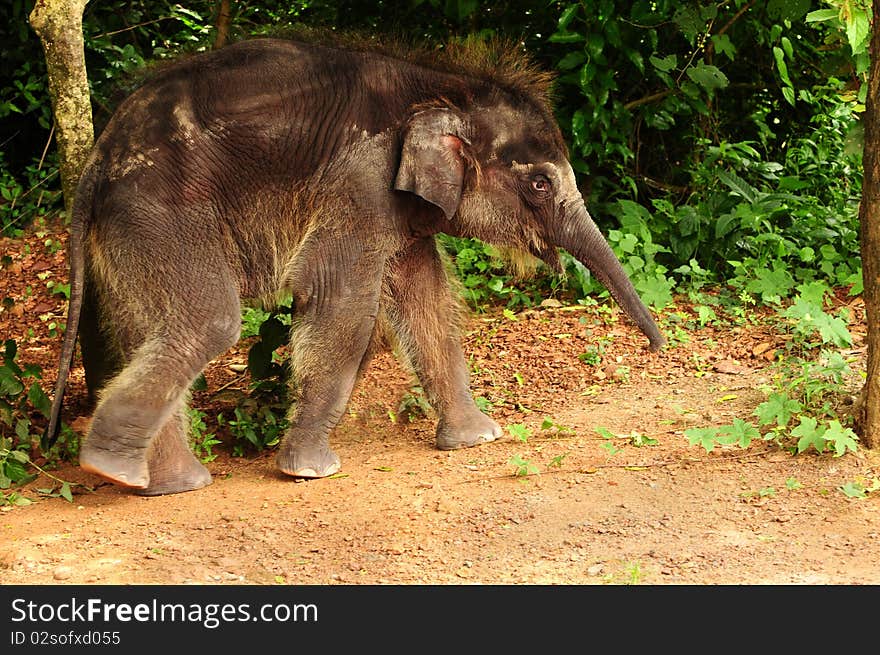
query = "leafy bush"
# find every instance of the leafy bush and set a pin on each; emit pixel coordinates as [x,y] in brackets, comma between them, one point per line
[22,400]
[20,397]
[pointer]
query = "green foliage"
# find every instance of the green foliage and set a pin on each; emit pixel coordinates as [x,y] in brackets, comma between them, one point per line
[13,470]
[522,467]
[254,426]
[519,431]
[484,275]
[26,194]
[414,405]
[549,426]
[799,413]
[522,433]
[634,438]
[201,441]
[273,330]
[709,167]
[21,398]
[24,406]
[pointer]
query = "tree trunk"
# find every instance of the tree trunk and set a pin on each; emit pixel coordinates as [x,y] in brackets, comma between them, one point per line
[223,17]
[58,24]
[869,218]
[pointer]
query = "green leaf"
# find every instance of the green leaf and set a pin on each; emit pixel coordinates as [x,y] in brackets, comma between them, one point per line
[814,292]
[809,434]
[578,129]
[725,224]
[566,37]
[665,64]
[9,383]
[778,409]
[10,350]
[858,27]
[567,16]
[710,78]
[842,439]
[39,400]
[637,60]
[572,60]
[523,466]
[787,47]
[704,437]
[810,317]
[466,8]
[772,285]
[15,470]
[853,490]
[822,15]
[779,56]
[833,330]
[605,433]
[724,45]
[741,432]
[65,492]
[519,432]
[738,185]
[656,290]
[638,439]
[23,432]
[689,21]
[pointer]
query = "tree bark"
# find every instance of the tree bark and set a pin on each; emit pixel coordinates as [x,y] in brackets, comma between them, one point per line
[223,17]
[869,219]
[58,24]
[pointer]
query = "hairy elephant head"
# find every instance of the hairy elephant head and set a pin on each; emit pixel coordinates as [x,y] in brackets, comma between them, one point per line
[499,171]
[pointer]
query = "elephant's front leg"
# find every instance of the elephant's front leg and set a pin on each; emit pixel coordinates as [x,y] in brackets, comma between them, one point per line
[336,316]
[422,311]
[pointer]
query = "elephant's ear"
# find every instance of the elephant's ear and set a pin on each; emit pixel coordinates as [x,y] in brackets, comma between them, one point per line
[431,163]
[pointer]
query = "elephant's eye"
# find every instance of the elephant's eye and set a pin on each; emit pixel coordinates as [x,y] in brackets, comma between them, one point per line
[540,183]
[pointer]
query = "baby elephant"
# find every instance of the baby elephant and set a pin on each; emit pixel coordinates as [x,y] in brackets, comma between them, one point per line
[274,166]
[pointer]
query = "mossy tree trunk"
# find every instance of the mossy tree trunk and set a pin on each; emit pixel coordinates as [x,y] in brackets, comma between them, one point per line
[869,218]
[58,24]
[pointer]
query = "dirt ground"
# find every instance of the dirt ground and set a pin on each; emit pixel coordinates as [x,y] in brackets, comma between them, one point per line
[592,510]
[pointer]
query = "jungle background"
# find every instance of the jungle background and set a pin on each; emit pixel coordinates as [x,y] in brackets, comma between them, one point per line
[719,148]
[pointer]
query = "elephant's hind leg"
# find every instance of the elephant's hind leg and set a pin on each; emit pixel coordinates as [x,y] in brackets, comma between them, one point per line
[102,356]
[135,429]
[172,466]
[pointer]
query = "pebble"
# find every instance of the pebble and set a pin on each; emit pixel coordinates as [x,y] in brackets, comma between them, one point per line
[62,572]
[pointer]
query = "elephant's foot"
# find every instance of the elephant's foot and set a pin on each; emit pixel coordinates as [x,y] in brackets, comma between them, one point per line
[311,460]
[126,471]
[173,466]
[473,430]
[117,443]
[189,481]
[175,478]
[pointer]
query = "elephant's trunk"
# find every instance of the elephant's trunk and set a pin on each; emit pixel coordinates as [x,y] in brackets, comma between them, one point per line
[580,237]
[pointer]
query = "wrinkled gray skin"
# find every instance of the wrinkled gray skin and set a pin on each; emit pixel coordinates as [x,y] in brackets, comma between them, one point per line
[274,165]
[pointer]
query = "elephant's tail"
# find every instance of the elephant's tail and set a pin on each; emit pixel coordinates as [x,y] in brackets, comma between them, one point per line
[80,216]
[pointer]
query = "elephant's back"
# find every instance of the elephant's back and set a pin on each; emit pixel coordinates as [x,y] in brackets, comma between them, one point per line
[281,107]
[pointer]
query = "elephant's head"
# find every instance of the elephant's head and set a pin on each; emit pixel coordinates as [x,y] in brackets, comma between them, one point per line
[500,173]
